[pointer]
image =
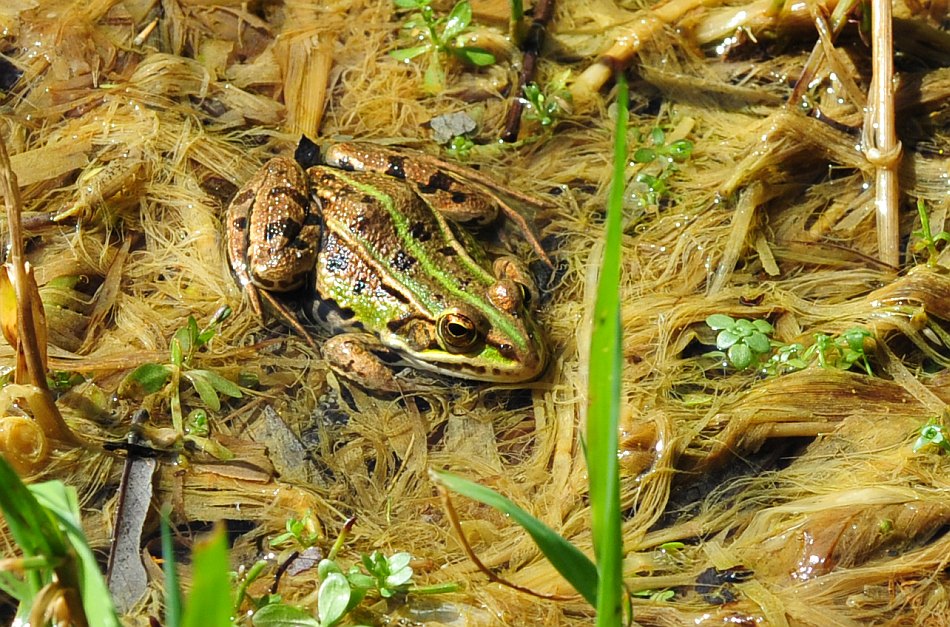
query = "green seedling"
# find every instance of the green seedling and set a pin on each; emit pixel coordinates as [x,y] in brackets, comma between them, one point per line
[440,37]
[304,532]
[662,159]
[343,589]
[932,434]
[547,109]
[925,239]
[745,342]
[54,574]
[152,378]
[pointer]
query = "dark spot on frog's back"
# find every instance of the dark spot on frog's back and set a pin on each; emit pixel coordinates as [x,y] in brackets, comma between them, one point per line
[335,263]
[244,197]
[292,193]
[286,228]
[419,232]
[459,197]
[240,223]
[439,181]
[397,167]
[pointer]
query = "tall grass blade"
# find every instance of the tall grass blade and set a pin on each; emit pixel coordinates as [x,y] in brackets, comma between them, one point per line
[210,603]
[573,565]
[604,393]
[61,500]
[173,603]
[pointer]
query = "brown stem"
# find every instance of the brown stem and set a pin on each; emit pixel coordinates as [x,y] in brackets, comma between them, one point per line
[532,44]
[880,136]
[44,408]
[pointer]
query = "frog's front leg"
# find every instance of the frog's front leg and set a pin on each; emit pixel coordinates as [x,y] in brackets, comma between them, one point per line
[514,288]
[355,356]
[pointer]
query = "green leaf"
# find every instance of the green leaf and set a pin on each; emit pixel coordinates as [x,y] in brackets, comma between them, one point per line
[409,53]
[718,322]
[144,380]
[644,155]
[474,56]
[280,615]
[210,603]
[62,502]
[740,355]
[573,565]
[658,136]
[759,343]
[604,390]
[333,599]
[173,601]
[458,21]
[222,385]
[680,150]
[726,338]
[763,326]
[204,388]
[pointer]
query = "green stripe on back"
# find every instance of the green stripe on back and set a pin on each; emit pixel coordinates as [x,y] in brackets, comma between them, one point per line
[447,281]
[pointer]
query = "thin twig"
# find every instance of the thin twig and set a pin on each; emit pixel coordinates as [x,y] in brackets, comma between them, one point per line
[880,136]
[453,517]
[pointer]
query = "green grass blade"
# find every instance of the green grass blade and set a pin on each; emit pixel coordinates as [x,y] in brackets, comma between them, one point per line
[210,603]
[604,393]
[172,588]
[62,502]
[573,565]
[32,528]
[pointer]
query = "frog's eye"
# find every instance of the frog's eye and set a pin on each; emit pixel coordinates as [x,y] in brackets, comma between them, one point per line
[457,332]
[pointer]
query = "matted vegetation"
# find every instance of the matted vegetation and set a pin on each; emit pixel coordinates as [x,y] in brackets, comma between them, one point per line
[782,464]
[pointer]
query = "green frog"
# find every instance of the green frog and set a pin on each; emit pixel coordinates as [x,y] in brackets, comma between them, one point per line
[375,233]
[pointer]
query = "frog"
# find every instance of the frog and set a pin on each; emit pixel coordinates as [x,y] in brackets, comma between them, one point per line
[379,238]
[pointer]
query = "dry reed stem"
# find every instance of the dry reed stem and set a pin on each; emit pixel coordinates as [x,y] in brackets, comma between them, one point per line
[880,136]
[29,312]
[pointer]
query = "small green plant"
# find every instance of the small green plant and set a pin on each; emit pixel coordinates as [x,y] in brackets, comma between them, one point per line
[745,342]
[547,109]
[440,36]
[841,352]
[662,159]
[932,434]
[748,343]
[304,532]
[926,240]
[341,589]
[152,378]
[460,147]
[209,603]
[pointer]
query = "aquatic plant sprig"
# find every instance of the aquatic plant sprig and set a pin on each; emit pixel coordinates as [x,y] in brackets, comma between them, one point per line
[440,36]
[932,434]
[663,158]
[925,239]
[151,378]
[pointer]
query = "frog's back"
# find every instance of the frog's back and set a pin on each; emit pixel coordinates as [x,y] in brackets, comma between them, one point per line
[385,255]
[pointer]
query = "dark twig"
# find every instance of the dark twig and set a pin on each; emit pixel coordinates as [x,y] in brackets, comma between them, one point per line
[533,41]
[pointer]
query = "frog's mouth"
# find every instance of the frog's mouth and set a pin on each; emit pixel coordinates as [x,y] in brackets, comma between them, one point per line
[488,363]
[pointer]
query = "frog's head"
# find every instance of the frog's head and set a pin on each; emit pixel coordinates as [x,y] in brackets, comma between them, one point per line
[488,337]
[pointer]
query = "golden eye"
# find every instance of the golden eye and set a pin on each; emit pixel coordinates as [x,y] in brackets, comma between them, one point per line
[457,332]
